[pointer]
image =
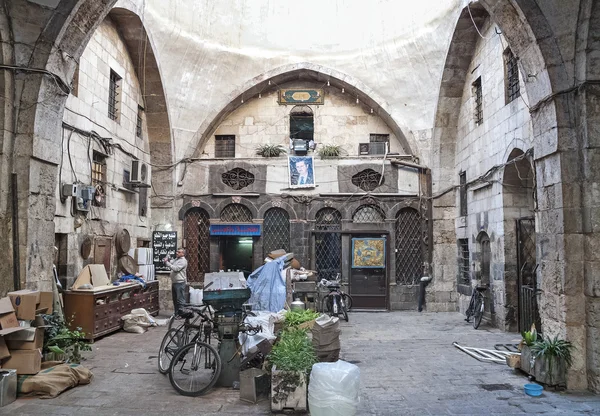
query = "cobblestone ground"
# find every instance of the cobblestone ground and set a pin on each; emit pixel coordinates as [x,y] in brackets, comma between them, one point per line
[407,361]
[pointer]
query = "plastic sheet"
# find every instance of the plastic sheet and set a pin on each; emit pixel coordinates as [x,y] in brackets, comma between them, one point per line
[333,389]
[267,321]
[268,286]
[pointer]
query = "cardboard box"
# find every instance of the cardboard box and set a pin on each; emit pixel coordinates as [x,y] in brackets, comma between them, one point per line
[8,319]
[27,339]
[92,274]
[4,352]
[46,303]
[24,361]
[25,303]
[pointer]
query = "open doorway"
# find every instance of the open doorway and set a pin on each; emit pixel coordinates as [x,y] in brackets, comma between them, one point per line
[236,254]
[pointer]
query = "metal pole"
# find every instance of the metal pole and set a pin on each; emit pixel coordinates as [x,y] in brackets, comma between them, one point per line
[15,234]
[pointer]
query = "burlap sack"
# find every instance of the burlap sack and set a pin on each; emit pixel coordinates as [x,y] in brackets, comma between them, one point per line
[53,380]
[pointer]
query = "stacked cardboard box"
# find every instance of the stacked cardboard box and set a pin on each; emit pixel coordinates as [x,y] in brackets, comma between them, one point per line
[144,258]
[21,333]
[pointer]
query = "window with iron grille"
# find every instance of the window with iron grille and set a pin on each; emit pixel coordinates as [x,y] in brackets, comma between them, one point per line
[236,213]
[513,90]
[114,96]
[368,213]
[368,180]
[224,146]
[237,178]
[276,231]
[409,248]
[478,100]
[139,121]
[196,233]
[378,143]
[463,193]
[99,178]
[464,271]
[328,243]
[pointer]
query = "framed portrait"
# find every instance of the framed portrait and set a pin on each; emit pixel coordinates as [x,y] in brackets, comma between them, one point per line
[301,172]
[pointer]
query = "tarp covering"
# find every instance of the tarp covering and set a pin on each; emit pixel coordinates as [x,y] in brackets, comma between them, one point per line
[267,284]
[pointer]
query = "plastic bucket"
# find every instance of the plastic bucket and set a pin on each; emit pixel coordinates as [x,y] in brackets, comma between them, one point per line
[532,389]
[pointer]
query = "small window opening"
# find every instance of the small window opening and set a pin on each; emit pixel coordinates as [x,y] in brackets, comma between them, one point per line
[114,96]
[478,97]
[463,194]
[224,146]
[464,274]
[139,122]
[513,90]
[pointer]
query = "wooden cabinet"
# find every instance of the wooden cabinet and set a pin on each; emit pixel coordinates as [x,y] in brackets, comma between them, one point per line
[99,313]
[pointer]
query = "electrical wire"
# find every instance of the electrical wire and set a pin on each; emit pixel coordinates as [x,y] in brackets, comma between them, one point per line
[62,85]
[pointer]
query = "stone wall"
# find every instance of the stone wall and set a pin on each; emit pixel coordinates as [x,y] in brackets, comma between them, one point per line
[88,112]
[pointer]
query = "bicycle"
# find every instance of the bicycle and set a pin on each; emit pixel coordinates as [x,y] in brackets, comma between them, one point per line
[476,306]
[186,332]
[336,301]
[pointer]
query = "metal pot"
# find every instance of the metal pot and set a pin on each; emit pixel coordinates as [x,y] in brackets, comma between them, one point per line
[297,305]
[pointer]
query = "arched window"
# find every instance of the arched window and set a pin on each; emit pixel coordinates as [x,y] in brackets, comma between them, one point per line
[328,243]
[196,234]
[409,249]
[302,128]
[276,230]
[368,213]
[236,213]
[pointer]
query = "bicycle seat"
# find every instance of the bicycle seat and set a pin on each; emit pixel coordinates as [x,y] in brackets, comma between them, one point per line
[481,288]
[186,313]
[333,286]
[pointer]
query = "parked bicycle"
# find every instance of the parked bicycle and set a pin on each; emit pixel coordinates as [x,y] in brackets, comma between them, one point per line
[476,306]
[197,321]
[336,301]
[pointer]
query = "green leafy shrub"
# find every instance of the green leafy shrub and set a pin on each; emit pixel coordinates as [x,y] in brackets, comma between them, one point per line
[293,351]
[329,150]
[295,318]
[60,340]
[529,337]
[270,150]
[553,348]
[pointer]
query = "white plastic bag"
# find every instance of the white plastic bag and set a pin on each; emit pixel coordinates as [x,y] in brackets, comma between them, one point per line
[333,389]
[196,296]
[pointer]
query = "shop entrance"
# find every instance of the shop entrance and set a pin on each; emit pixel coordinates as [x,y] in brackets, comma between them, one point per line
[236,254]
[368,271]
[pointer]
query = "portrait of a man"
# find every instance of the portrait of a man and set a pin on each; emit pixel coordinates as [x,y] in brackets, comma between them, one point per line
[301,172]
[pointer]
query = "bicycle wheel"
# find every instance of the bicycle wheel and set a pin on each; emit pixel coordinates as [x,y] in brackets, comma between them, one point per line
[328,305]
[172,341]
[195,369]
[347,300]
[477,313]
[471,309]
[344,312]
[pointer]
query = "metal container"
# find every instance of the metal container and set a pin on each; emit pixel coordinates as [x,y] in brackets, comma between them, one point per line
[8,387]
[255,385]
[297,305]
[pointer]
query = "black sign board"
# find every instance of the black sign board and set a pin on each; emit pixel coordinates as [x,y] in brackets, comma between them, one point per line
[164,243]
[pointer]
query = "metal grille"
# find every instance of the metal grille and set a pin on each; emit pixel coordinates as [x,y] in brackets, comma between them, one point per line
[236,213]
[196,234]
[512,76]
[225,146]
[409,249]
[328,244]
[237,178]
[367,180]
[113,95]
[464,270]
[368,213]
[527,284]
[478,97]
[276,234]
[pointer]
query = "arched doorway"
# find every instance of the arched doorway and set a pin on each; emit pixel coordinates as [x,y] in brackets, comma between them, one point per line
[484,269]
[196,236]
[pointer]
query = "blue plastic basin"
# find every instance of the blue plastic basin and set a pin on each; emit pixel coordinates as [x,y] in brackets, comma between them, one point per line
[533,389]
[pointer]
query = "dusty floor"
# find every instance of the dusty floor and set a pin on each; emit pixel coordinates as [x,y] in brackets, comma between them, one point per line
[407,361]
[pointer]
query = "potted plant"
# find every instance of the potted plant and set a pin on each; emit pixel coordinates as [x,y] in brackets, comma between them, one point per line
[62,344]
[329,151]
[291,359]
[552,358]
[270,150]
[529,338]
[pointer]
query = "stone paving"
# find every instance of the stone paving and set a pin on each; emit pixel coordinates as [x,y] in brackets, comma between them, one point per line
[407,361]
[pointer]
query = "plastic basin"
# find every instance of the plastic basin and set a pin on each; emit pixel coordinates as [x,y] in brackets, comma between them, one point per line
[533,389]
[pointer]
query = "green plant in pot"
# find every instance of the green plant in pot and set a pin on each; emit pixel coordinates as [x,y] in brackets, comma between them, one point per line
[270,150]
[552,359]
[329,151]
[529,338]
[290,361]
[62,344]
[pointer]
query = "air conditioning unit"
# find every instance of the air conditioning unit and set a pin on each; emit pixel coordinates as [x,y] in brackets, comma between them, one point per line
[139,173]
[363,148]
[377,148]
[300,146]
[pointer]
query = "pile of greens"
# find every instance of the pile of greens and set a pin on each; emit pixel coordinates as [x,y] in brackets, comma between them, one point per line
[293,351]
[295,318]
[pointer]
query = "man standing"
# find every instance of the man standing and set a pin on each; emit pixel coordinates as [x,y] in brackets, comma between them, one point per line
[178,278]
